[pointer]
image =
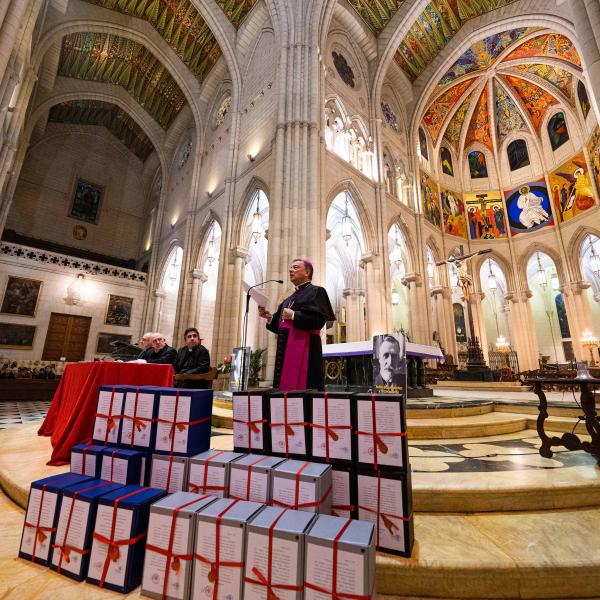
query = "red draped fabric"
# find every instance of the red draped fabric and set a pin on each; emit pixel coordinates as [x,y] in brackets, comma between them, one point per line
[70,419]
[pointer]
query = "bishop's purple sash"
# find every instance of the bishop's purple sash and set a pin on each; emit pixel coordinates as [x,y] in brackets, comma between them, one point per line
[295,362]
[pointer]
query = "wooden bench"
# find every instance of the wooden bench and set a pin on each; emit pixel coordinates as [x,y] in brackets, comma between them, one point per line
[209,376]
[33,390]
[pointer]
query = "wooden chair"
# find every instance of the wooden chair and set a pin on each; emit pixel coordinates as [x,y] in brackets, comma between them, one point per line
[209,376]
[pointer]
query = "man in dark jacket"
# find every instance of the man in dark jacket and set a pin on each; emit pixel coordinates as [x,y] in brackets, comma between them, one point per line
[161,354]
[146,344]
[192,359]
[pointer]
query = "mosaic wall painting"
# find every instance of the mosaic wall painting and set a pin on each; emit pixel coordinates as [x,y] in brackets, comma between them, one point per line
[584,101]
[455,126]
[438,111]
[423,144]
[561,79]
[557,130]
[534,98]
[508,116]
[376,13]
[477,165]
[551,45]
[446,160]
[453,211]
[479,129]
[528,207]
[593,147]
[485,214]
[430,200]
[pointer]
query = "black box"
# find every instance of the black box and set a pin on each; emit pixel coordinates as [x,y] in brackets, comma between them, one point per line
[255,402]
[290,424]
[343,492]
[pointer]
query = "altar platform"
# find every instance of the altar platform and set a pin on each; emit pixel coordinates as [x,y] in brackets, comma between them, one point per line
[493,519]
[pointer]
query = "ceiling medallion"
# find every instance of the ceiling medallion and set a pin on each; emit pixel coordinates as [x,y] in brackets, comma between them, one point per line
[343,68]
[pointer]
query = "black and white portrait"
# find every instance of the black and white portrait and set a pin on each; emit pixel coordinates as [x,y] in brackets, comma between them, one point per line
[389,363]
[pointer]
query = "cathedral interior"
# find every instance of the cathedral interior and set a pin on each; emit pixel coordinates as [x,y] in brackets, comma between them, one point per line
[183,148]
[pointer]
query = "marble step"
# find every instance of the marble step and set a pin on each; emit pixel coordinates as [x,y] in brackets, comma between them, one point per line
[545,554]
[482,386]
[439,410]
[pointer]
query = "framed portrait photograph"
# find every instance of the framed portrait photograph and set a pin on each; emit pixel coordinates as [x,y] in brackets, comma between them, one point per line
[103,345]
[86,201]
[389,363]
[118,310]
[21,296]
[17,336]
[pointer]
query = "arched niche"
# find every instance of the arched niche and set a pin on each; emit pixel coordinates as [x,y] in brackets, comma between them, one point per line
[589,260]
[169,284]
[494,286]
[399,261]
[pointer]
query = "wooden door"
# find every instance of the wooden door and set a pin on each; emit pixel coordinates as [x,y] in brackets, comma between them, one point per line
[67,336]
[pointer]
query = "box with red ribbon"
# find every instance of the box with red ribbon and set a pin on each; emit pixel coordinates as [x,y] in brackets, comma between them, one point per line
[251,432]
[138,423]
[385,499]
[332,427]
[304,486]
[289,424]
[343,492]
[250,478]
[86,459]
[169,473]
[275,554]
[209,472]
[184,421]
[121,465]
[220,548]
[381,432]
[146,467]
[339,559]
[170,546]
[42,512]
[109,413]
[119,538]
[73,538]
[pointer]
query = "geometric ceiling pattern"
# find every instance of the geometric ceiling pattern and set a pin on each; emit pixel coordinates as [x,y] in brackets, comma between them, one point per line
[435,27]
[497,87]
[182,27]
[376,13]
[120,61]
[117,121]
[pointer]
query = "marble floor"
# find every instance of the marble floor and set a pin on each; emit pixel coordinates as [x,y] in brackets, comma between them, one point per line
[16,413]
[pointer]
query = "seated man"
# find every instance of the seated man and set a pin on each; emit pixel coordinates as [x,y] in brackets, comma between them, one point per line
[146,344]
[162,354]
[192,359]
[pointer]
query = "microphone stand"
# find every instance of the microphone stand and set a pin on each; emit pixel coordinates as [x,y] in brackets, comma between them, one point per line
[245,334]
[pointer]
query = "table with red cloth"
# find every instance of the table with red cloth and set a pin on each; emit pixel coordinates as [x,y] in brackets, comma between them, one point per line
[70,418]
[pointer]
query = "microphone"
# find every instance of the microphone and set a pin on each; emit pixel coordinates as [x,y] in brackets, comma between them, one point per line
[263,282]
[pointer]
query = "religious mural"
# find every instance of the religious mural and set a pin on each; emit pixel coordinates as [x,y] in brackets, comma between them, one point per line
[477,165]
[571,188]
[551,45]
[528,207]
[479,129]
[438,111]
[584,101]
[455,126]
[453,211]
[376,13]
[561,79]
[423,144]
[593,147]
[557,130]
[508,116]
[430,200]
[535,100]
[518,155]
[446,160]
[485,213]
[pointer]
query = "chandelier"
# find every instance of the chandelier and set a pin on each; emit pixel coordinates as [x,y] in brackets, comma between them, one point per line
[211,250]
[257,226]
[346,224]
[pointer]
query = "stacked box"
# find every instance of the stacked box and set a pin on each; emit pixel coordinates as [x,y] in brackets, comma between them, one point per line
[86,459]
[170,546]
[146,468]
[289,424]
[251,432]
[183,422]
[332,438]
[304,486]
[138,426]
[42,512]
[209,472]
[117,556]
[121,465]
[109,412]
[250,478]
[220,549]
[339,559]
[385,499]
[73,538]
[169,473]
[343,492]
[275,554]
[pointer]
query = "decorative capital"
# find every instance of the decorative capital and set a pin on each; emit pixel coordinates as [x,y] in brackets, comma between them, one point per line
[160,293]
[239,252]
[199,274]
[409,278]
[442,291]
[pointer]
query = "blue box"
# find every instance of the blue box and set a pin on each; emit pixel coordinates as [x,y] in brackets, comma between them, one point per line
[138,425]
[129,509]
[189,432]
[38,531]
[109,412]
[73,537]
[90,465]
[121,465]
[146,468]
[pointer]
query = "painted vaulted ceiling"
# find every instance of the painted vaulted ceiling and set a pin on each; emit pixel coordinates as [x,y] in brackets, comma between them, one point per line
[435,27]
[497,87]
[112,59]
[376,13]
[117,121]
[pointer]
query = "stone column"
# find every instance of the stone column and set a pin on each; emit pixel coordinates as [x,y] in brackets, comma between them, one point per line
[441,297]
[199,278]
[578,314]
[522,338]
[159,296]
[375,294]
[354,314]
[420,331]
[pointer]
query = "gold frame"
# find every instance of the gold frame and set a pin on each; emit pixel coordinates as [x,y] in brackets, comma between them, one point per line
[96,351]
[37,300]
[12,347]
[108,305]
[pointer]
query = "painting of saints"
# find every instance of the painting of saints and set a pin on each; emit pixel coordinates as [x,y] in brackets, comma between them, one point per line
[453,210]
[430,200]
[528,207]
[572,191]
[593,147]
[486,216]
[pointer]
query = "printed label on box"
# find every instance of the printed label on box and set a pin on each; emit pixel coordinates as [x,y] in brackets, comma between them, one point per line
[389,451]
[231,545]
[215,480]
[75,539]
[159,532]
[142,428]
[160,473]
[114,469]
[116,563]
[168,434]
[240,430]
[102,423]
[259,485]
[340,493]
[284,491]
[77,463]
[340,440]
[46,520]
[296,444]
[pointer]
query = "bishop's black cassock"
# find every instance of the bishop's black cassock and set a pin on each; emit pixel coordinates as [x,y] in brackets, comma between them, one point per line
[299,359]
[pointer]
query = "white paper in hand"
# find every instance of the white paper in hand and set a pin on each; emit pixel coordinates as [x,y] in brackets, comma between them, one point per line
[255,294]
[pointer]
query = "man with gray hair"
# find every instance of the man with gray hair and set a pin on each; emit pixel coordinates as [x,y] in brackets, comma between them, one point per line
[146,345]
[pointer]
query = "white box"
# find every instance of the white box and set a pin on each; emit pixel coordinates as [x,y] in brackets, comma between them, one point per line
[109,411]
[209,472]
[169,473]
[302,485]
[250,478]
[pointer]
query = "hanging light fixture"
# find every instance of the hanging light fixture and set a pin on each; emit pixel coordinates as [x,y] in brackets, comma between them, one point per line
[492,282]
[174,270]
[502,345]
[396,258]
[430,273]
[257,228]
[346,224]
[211,250]
[541,272]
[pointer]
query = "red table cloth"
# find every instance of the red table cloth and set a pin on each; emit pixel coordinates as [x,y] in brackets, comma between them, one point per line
[70,419]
